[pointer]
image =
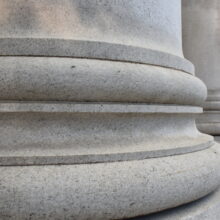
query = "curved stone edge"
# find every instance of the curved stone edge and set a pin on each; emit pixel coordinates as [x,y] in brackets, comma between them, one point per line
[69,156]
[213,95]
[209,122]
[108,190]
[71,107]
[207,208]
[209,127]
[209,117]
[91,50]
[80,80]
[99,158]
[212,106]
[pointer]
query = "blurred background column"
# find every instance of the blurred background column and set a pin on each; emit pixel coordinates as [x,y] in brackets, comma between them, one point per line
[201,45]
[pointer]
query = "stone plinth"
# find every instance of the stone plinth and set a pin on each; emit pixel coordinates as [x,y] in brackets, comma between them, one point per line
[98,110]
[201,43]
[206,208]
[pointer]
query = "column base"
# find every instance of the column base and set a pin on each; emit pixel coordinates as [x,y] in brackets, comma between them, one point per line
[116,190]
[206,208]
[102,161]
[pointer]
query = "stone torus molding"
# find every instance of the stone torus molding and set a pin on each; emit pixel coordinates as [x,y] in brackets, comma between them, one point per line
[97,110]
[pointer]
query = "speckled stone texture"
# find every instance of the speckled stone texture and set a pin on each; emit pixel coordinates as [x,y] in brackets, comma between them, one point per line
[201,45]
[207,208]
[97,111]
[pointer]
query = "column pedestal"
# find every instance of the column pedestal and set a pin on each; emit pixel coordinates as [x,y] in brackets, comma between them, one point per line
[206,208]
[98,109]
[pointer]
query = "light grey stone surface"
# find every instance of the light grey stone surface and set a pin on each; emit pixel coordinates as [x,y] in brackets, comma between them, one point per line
[107,190]
[207,208]
[120,31]
[100,51]
[209,122]
[115,30]
[97,111]
[66,79]
[88,133]
[119,22]
[86,107]
[201,45]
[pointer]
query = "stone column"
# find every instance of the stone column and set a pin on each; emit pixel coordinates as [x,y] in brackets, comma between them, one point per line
[98,110]
[201,41]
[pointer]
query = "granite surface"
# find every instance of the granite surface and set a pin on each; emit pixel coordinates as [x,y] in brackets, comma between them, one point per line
[97,111]
[107,190]
[207,208]
[86,80]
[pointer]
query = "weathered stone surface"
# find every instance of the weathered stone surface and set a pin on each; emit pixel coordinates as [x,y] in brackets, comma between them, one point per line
[107,190]
[85,133]
[98,110]
[34,48]
[66,79]
[207,208]
[118,22]
[92,50]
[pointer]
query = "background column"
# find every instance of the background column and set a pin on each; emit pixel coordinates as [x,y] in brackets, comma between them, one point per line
[201,44]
